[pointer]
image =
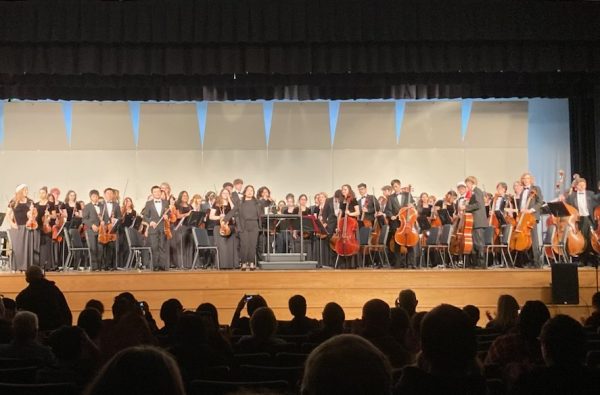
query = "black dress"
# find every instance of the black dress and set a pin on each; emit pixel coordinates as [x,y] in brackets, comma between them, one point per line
[226,245]
[46,257]
[185,239]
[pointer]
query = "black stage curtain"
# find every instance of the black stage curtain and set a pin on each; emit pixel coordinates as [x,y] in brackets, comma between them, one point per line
[584,119]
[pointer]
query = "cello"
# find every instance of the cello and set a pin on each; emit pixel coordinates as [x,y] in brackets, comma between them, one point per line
[406,235]
[520,240]
[595,233]
[461,241]
[346,243]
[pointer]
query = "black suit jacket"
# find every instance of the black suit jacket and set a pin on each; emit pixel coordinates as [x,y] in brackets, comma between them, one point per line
[90,216]
[476,206]
[393,206]
[235,198]
[535,203]
[151,215]
[116,212]
[329,216]
[371,204]
[592,201]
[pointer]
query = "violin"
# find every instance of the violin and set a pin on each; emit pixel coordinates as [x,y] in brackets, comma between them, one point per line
[105,234]
[32,221]
[224,228]
[595,234]
[57,228]
[346,243]
[46,228]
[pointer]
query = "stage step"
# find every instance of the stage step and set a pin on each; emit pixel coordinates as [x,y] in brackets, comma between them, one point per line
[287,265]
[277,257]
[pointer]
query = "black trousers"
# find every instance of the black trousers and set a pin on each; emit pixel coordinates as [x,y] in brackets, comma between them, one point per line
[160,248]
[478,255]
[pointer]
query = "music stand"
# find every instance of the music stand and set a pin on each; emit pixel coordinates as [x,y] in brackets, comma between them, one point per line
[424,223]
[75,223]
[194,219]
[558,209]
[445,216]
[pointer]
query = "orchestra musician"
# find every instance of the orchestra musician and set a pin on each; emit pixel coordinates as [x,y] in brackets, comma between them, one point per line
[70,207]
[248,215]
[584,201]
[461,195]
[92,214]
[111,213]
[237,193]
[46,211]
[447,203]
[397,200]
[534,207]
[128,216]
[155,214]
[476,206]
[24,241]
[368,205]
[226,243]
[424,209]
[183,233]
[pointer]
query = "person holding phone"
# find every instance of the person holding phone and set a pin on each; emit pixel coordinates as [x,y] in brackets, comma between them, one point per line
[241,325]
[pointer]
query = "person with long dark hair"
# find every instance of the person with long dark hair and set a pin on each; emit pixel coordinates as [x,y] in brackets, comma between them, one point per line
[247,216]
[226,242]
[24,240]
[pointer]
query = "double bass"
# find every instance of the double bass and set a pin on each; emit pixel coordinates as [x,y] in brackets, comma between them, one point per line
[346,243]
[595,233]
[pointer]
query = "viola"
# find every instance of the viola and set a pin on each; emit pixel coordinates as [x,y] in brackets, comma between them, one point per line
[32,221]
[406,235]
[56,229]
[224,228]
[346,243]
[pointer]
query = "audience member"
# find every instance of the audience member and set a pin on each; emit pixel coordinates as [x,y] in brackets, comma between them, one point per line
[241,325]
[346,364]
[563,348]
[76,357]
[5,325]
[407,299]
[593,321]
[211,309]
[95,304]
[300,323]
[507,314]
[520,351]
[399,325]
[10,308]
[191,350]
[170,311]
[138,371]
[447,363]
[90,321]
[24,344]
[473,313]
[43,298]
[376,329]
[414,336]
[263,327]
[332,324]
[215,338]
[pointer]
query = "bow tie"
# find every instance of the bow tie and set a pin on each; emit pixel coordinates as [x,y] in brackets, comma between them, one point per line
[157,201]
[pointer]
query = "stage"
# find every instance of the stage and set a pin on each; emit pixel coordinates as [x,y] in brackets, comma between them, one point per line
[350,288]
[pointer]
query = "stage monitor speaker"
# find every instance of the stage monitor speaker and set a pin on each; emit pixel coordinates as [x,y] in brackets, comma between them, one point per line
[565,283]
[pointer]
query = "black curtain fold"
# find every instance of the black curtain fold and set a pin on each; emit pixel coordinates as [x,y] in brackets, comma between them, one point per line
[584,124]
[293,21]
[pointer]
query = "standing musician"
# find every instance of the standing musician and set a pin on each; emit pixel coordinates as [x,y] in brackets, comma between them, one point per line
[172,244]
[54,191]
[46,211]
[236,193]
[24,240]
[111,213]
[500,200]
[461,192]
[447,203]
[424,209]
[128,215]
[92,214]
[155,213]
[534,207]
[225,241]
[368,205]
[70,207]
[348,204]
[397,200]
[182,234]
[584,201]
[476,206]
[248,215]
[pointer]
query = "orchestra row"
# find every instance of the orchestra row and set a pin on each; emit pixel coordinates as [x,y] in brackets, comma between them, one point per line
[242,224]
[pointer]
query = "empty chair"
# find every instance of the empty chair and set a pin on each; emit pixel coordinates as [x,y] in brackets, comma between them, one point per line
[433,235]
[136,248]
[379,248]
[75,247]
[290,374]
[261,358]
[290,359]
[202,243]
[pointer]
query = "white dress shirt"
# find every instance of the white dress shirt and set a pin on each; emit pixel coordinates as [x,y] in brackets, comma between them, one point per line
[582,204]
[158,206]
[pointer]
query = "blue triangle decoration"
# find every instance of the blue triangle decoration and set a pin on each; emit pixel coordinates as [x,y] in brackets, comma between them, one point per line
[400,106]
[268,118]
[2,122]
[334,112]
[67,110]
[201,111]
[465,116]
[134,112]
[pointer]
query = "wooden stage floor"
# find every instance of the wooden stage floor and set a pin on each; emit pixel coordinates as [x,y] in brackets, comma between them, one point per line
[350,288]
